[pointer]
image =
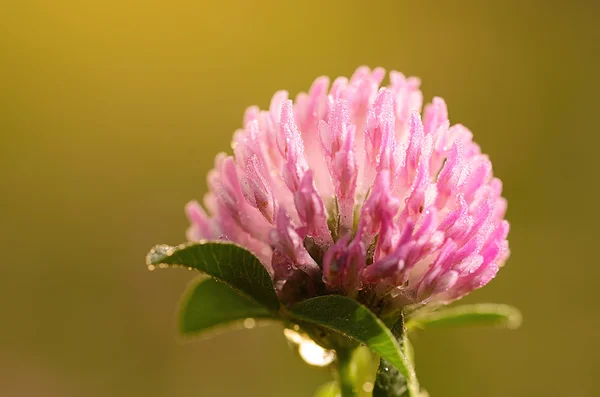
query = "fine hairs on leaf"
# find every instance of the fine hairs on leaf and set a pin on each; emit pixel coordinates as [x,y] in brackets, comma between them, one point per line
[389,381]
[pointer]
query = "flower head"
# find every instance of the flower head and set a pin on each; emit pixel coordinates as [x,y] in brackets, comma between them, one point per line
[347,190]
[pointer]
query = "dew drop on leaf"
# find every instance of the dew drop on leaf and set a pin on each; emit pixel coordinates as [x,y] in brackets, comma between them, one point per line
[310,352]
[159,252]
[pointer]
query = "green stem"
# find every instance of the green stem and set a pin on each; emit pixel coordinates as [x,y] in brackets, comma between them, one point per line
[390,382]
[344,373]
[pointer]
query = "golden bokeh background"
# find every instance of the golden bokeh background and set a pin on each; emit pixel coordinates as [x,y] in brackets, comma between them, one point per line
[111,113]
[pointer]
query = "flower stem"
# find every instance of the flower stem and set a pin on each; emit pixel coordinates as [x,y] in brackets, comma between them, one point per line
[345,373]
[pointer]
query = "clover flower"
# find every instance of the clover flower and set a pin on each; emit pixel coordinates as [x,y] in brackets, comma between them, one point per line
[349,190]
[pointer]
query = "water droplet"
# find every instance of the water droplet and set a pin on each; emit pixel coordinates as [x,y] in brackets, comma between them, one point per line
[151,267]
[249,323]
[310,352]
[314,354]
[159,252]
[293,336]
[368,387]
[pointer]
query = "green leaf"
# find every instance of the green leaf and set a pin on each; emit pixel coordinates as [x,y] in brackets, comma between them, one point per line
[503,316]
[209,303]
[226,262]
[330,389]
[348,317]
[364,362]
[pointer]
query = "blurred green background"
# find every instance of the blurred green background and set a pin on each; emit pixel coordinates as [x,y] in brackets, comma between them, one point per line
[111,113]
